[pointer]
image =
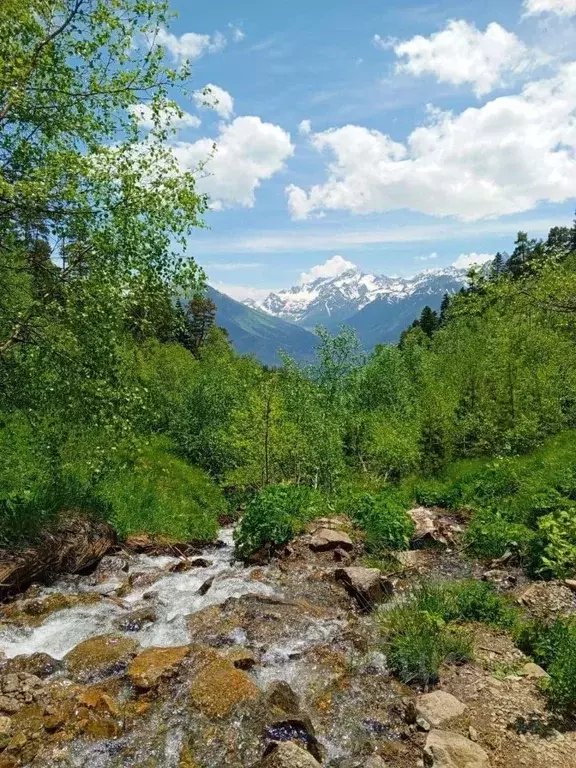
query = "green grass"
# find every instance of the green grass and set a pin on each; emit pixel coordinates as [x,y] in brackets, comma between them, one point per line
[381,515]
[425,632]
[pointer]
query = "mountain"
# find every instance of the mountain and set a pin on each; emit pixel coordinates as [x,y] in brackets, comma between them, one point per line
[379,307]
[254,332]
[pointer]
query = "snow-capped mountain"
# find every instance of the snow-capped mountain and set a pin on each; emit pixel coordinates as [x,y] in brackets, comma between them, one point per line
[335,291]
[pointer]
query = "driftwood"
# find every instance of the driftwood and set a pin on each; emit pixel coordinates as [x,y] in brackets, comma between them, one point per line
[74,545]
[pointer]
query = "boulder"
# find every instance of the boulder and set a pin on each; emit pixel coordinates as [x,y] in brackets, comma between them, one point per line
[298,729]
[412,558]
[218,687]
[155,664]
[280,695]
[100,701]
[135,620]
[111,565]
[533,670]
[33,612]
[374,762]
[99,656]
[439,706]
[451,750]
[428,532]
[325,539]
[364,584]
[287,754]
[205,586]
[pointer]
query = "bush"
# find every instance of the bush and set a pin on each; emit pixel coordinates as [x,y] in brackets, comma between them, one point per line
[557,534]
[554,647]
[384,519]
[489,535]
[274,516]
[161,494]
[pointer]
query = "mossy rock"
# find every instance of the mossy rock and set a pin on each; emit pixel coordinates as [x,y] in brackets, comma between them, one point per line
[100,656]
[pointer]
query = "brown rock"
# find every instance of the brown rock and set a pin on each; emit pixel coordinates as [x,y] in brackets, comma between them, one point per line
[154,664]
[135,620]
[533,670]
[325,539]
[571,584]
[427,533]
[102,728]
[39,664]
[5,725]
[242,658]
[500,577]
[279,694]
[55,722]
[219,686]
[375,762]
[17,742]
[98,699]
[364,584]
[186,760]
[288,755]
[33,612]
[101,655]
[412,558]
[439,706]
[451,750]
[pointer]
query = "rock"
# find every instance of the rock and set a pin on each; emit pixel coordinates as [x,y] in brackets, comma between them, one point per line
[374,762]
[325,539]
[33,612]
[533,670]
[219,686]
[206,586]
[17,742]
[186,760]
[439,706]
[111,565]
[341,556]
[98,699]
[298,729]
[38,664]
[135,620]
[412,558]
[242,658]
[10,683]
[571,584]
[287,754]
[155,664]
[9,705]
[500,577]
[422,724]
[100,655]
[428,532]
[472,733]
[279,694]
[364,584]
[5,725]
[451,750]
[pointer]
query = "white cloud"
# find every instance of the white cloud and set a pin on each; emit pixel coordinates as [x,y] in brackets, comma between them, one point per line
[190,45]
[305,128]
[467,260]
[170,115]
[384,43]
[502,158]
[216,98]
[427,257]
[248,151]
[331,268]
[559,7]
[243,292]
[461,53]
[238,33]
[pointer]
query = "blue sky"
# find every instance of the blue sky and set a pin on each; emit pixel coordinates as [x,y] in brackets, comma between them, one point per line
[399,135]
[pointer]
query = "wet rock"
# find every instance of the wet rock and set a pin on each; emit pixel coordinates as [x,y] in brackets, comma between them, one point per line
[298,729]
[279,694]
[38,664]
[160,545]
[325,539]
[242,658]
[99,656]
[186,760]
[111,565]
[17,742]
[288,755]
[102,728]
[451,750]
[135,620]
[56,721]
[219,687]
[439,706]
[186,564]
[155,664]
[99,700]
[428,532]
[500,577]
[533,670]
[9,705]
[34,612]
[364,584]
[375,762]
[206,586]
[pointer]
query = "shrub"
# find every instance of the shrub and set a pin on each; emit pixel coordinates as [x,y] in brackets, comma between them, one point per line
[274,516]
[557,534]
[161,494]
[554,647]
[490,535]
[466,601]
[384,519]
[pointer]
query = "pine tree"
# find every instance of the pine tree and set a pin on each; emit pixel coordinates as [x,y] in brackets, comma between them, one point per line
[498,266]
[573,236]
[202,313]
[429,321]
[444,307]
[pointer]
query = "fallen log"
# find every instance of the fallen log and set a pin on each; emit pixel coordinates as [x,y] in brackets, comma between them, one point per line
[73,545]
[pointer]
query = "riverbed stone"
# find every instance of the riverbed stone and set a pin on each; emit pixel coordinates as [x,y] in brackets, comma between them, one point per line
[31,613]
[155,664]
[445,749]
[242,658]
[364,584]
[5,725]
[9,705]
[218,687]
[135,620]
[99,656]
[280,695]
[288,754]
[325,539]
[439,706]
[39,664]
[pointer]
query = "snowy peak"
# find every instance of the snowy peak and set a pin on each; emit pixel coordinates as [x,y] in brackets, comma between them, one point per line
[332,292]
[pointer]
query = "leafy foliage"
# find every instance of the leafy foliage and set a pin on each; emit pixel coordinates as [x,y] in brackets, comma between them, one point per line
[382,517]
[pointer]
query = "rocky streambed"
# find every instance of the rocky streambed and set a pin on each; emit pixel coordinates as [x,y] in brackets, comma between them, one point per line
[202,662]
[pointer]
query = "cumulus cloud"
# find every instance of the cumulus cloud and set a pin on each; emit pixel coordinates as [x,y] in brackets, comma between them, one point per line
[248,151]
[467,260]
[190,45]
[384,43]
[559,7]
[502,158]
[216,98]
[305,128]
[333,267]
[427,257]
[461,53]
[170,115]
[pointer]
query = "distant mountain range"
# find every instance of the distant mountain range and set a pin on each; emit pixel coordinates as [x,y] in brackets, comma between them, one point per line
[376,306]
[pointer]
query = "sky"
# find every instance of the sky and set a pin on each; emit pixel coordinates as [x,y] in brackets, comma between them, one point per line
[399,135]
